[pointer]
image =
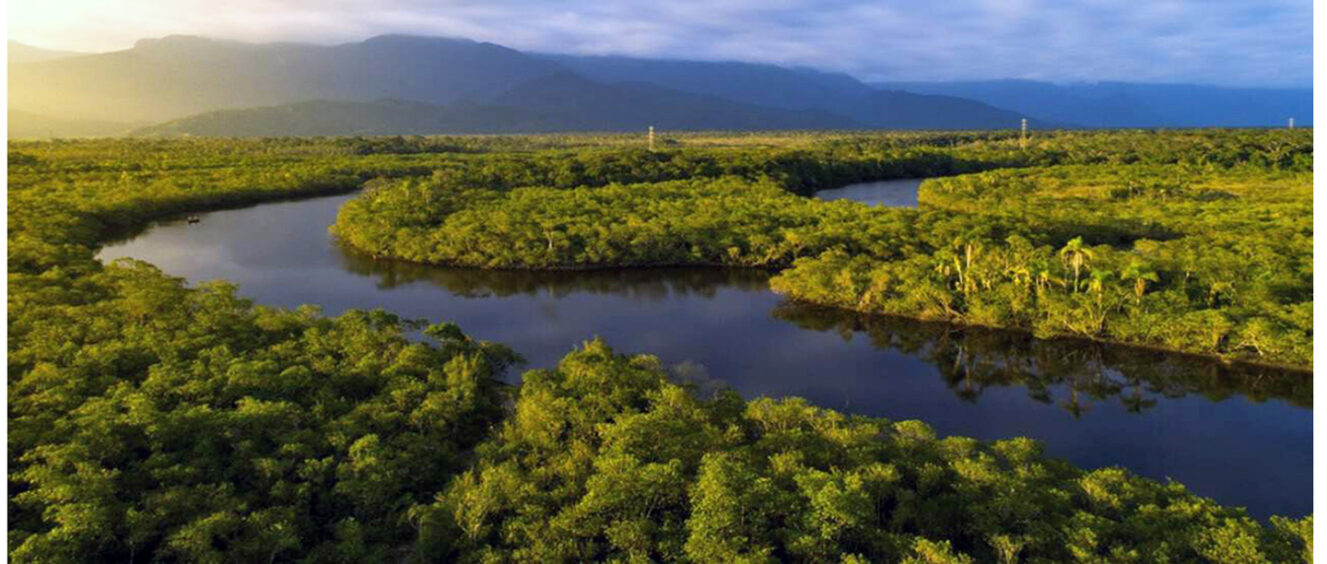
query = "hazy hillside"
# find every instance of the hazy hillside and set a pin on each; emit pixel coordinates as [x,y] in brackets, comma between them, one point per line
[1118,104]
[905,110]
[574,102]
[322,117]
[569,102]
[765,85]
[178,76]
[23,53]
[560,103]
[799,88]
[193,85]
[458,85]
[25,125]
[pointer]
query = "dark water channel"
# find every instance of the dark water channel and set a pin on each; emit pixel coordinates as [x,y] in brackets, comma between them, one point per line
[1241,435]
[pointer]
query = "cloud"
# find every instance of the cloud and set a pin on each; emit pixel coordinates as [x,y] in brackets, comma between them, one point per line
[1244,42]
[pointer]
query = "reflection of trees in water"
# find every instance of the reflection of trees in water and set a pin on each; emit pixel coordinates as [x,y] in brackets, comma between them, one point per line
[651,284]
[1073,374]
[1083,373]
[697,378]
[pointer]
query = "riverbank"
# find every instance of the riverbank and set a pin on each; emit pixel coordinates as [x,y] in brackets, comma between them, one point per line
[1163,416]
[1212,262]
[151,418]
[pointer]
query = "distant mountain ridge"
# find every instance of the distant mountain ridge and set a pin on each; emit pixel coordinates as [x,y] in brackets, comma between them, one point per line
[1123,104]
[23,53]
[177,76]
[801,89]
[570,102]
[327,117]
[409,84]
[752,83]
[397,117]
[400,84]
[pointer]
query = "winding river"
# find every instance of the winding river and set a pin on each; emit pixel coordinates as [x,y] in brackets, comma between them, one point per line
[1241,435]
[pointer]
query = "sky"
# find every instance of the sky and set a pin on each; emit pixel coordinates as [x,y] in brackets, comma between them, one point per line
[1227,42]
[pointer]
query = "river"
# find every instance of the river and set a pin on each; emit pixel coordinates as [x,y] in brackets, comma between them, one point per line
[1241,435]
[894,193]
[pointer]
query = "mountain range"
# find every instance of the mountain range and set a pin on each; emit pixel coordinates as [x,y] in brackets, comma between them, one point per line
[396,84]
[23,53]
[1122,104]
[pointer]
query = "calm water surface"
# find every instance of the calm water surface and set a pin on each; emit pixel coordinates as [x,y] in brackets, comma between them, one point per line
[1240,435]
[894,193]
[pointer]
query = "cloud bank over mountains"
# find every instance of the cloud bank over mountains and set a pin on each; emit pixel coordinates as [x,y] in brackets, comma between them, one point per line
[1224,42]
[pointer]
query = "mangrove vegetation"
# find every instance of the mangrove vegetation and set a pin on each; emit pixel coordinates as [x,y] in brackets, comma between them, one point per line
[153,420]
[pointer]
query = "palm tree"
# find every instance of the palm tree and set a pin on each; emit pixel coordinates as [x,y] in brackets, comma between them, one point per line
[1141,273]
[963,265]
[1076,255]
[1096,283]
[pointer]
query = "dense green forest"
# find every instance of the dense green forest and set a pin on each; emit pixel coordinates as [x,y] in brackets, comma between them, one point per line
[1195,241]
[153,421]
[606,459]
[1212,262]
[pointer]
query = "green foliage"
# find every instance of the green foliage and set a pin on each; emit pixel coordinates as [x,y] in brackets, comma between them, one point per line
[1191,241]
[152,421]
[607,459]
[17,158]
[159,421]
[1229,276]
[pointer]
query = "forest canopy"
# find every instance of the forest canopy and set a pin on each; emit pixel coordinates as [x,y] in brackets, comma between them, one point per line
[1198,242]
[153,420]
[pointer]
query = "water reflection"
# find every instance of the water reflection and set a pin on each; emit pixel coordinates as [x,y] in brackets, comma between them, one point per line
[1241,435]
[1072,374]
[652,284]
[900,193]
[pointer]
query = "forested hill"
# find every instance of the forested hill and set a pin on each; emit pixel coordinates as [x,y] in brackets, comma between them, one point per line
[803,88]
[1098,104]
[568,102]
[1123,104]
[561,102]
[450,86]
[177,76]
[24,53]
[200,86]
[324,117]
[765,85]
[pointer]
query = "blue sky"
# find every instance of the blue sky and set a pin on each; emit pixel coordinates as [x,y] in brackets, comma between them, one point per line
[1231,42]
